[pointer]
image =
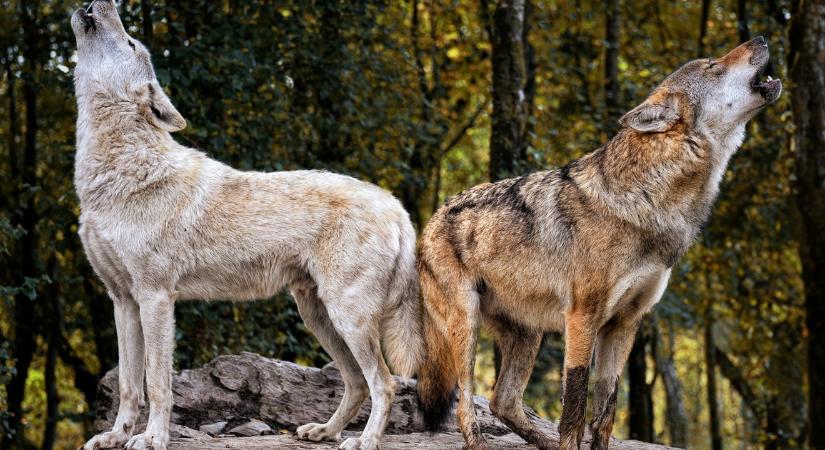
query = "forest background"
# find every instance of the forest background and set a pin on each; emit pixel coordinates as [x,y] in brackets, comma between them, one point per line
[428,98]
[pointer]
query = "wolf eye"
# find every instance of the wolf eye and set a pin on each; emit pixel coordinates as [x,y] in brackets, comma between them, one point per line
[131,44]
[711,63]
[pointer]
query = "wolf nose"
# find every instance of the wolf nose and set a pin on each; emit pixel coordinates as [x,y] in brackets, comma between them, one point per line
[761,41]
[91,4]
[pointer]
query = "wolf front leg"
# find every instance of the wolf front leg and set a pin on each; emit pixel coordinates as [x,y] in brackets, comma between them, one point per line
[579,339]
[157,316]
[612,349]
[130,372]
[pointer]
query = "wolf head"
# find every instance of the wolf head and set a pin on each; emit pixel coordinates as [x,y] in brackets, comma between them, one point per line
[718,95]
[113,65]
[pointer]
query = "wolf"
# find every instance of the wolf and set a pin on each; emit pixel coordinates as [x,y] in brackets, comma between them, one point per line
[586,250]
[161,222]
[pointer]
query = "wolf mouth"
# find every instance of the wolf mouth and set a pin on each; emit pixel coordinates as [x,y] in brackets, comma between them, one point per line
[769,88]
[88,19]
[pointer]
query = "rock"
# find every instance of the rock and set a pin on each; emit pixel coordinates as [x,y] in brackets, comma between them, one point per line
[251,428]
[180,431]
[213,429]
[235,391]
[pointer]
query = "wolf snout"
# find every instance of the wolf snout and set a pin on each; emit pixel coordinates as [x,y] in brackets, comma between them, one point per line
[759,41]
[759,52]
[86,19]
[99,6]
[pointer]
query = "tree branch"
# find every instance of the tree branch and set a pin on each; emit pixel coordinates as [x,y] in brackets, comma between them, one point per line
[467,125]
[739,383]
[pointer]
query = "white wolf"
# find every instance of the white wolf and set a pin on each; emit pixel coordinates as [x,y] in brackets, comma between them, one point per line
[161,222]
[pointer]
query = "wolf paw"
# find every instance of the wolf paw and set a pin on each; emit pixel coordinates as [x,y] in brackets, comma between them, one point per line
[148,440]
[478,443]
[109,439]
[317,432]
[362,443]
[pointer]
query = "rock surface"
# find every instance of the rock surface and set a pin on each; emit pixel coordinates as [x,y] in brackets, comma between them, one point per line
[262,395]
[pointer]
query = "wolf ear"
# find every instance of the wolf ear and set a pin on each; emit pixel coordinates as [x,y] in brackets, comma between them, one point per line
[651,117]
[158,109]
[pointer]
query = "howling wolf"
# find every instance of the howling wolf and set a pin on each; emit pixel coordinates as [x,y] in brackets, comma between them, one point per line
[586,249]
[161,222]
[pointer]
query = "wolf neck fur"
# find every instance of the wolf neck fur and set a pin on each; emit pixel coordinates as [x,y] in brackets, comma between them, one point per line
[118,151]
[660,183]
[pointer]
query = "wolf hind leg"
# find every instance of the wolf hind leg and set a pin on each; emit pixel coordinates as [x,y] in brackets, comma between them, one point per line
[462,324]
[452,316]
[519,347]
[315,317]
[356,316]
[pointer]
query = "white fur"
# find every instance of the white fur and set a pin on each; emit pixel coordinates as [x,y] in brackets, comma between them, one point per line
[162,222]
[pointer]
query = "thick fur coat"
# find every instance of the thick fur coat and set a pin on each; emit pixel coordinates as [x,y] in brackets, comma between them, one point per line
[586,249]
[161,222]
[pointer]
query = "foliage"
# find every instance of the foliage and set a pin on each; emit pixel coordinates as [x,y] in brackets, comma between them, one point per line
[398,93]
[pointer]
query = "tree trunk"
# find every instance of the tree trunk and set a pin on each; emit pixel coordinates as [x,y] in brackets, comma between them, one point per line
[508,141]
[530,73]
[412,186]
[146,16]
[713,402]
[14,128]
[703,29]
[807,70]
[612,92]
[54,333]
[640,401]
[675,413]
[742,21]
[52,400]
[26,248]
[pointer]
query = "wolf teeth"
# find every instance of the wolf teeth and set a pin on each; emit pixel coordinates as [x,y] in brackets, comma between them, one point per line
[770,78]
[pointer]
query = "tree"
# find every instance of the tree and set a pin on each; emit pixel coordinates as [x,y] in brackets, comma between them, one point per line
[26,250]
[675,414]
[806,61]
[613,102]
[640,399]
[712,390]
[445,111]
[703,29]
[508,140]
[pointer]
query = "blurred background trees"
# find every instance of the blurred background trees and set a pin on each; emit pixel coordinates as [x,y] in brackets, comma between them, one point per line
[427,99]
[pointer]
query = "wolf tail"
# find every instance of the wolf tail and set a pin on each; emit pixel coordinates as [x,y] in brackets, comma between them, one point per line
[438,375]
[402,337]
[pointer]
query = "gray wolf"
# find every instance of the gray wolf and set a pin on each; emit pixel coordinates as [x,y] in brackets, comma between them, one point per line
[161,222]
[586,249]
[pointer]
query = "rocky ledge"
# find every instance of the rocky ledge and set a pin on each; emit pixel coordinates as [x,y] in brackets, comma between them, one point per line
[247,401]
